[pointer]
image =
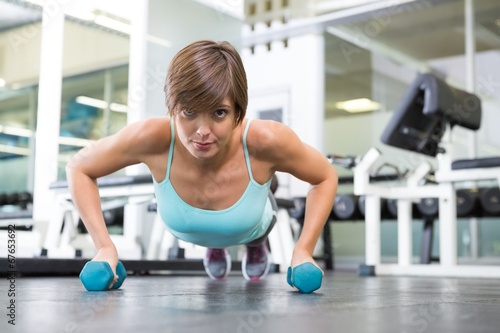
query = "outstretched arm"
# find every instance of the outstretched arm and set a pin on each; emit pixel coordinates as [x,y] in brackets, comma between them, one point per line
[129,146]
[289,154]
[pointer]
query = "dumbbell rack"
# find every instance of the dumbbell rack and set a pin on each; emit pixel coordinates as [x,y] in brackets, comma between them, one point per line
[68,243]
[405,195]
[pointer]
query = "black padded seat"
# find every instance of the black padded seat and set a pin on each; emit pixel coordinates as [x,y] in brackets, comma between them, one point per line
[428,106]
[488,162]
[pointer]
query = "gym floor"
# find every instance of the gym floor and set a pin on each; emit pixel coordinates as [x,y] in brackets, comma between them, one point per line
[194,303]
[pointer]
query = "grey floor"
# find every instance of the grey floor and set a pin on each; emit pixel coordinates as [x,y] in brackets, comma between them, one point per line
[345,303]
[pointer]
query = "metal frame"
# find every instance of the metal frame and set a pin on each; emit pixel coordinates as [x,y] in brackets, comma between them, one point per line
[444,190]
[65,217]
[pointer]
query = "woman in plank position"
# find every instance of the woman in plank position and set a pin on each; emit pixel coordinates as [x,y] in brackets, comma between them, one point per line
[211,167]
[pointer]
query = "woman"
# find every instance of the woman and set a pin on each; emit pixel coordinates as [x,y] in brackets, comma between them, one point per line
[211,167]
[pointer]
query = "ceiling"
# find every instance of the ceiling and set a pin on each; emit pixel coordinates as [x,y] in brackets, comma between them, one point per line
[436,31]
[17,13]
[417,36]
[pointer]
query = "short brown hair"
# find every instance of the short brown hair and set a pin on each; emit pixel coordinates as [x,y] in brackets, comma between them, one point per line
[202,74]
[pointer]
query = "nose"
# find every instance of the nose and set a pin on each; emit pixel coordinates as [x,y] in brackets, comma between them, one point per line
[202,133]
[203,129]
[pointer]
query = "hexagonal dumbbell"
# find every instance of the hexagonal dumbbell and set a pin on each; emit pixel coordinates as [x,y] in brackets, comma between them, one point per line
[98,276]
[305,277]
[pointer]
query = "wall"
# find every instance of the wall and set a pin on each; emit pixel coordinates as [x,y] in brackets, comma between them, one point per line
[14,175]
[181,22]
[296,71]
[487,86]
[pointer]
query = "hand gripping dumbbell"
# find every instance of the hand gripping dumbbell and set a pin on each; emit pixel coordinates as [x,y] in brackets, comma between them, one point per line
[98,275]
[306,277]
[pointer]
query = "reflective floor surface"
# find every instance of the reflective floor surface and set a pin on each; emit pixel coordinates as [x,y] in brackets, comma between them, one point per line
[175,303]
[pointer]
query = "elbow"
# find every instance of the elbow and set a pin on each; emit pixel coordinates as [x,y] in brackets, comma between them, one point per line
[333,175]
[330,181]
[70,168]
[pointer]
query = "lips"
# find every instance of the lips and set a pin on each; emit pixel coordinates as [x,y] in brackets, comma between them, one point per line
[202,145]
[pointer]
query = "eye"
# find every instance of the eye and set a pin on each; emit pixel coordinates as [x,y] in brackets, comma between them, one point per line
[187,113]
[220,113]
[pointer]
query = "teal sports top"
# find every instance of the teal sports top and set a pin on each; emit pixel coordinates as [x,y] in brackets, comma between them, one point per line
[246,220]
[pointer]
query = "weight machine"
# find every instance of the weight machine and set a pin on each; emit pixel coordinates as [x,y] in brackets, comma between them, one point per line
[422,124]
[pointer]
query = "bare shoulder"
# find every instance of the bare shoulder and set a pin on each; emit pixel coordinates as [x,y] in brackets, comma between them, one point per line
[267,132]
[135,143]
[270,139]
[149,135]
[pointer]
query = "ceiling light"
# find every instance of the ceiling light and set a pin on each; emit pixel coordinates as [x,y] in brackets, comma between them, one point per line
[125,28]
[118,107]
[158,41]
[358,105]
[112,24]
[69,141]
[18,86]
[100,104]
[97,103]
[2,82]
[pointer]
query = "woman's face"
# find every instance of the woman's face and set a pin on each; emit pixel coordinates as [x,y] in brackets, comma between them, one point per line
[206,133]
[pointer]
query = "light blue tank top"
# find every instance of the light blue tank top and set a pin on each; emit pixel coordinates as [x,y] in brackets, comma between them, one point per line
[246,220]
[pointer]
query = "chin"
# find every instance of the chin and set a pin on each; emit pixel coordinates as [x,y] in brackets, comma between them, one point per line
[202,154]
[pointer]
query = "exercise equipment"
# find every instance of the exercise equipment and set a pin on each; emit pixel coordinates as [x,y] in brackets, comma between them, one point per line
[12,199]
[490,201]
[25,199]
[361,205]
[306,277]
[299,208]
[467,203]
[297,212]
[128,193]
[384,212]
[392,208]
[20,200]
[98,276]
[422,124]
[428,208]
[345,207]
[3,199]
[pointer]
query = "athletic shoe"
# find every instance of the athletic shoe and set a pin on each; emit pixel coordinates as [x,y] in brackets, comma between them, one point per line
[217,263]
[256,262]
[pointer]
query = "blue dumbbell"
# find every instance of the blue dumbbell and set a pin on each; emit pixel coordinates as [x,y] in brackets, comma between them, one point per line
[98,275]
[306,277]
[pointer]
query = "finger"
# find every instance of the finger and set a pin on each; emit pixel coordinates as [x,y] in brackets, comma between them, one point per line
[113,282]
